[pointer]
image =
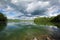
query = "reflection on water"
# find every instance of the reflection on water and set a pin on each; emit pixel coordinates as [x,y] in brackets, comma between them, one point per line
[57,24]
[29,31]
[2,26]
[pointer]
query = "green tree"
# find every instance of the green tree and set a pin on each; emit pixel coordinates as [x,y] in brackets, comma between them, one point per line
[2,18]
[56,19]
[3,21]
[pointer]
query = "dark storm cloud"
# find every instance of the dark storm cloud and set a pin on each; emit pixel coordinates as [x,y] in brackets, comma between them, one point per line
[39,12]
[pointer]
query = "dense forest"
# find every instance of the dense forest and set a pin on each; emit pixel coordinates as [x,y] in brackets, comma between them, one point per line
[3,21]
[3,18]
[56,19]
[47,20]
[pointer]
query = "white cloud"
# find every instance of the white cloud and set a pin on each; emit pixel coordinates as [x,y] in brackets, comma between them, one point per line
[26,18]
[14,1]
[53,11]
[28,7]
[36,6]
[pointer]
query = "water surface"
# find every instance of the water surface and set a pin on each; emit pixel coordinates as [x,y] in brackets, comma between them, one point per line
[29,31]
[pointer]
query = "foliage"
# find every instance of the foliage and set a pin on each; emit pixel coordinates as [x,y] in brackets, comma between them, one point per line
[13,20]
[43,20]
[3,21]
[18,20]
[56,19]
[2,18]
[48,21]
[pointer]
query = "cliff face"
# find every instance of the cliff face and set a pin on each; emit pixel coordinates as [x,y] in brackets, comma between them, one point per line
[2,18]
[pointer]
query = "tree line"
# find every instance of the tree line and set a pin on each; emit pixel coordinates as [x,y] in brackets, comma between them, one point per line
[3,18]
[48,20]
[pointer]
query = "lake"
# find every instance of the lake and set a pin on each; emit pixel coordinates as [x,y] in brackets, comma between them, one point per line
[28,31]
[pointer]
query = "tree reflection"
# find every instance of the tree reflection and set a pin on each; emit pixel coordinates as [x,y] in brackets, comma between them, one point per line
[2,26]
[3,21]
[57,24]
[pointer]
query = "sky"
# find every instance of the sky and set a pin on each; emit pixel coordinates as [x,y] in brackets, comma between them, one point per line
[29,9]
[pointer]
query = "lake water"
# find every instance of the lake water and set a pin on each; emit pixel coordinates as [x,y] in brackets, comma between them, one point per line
[29,31]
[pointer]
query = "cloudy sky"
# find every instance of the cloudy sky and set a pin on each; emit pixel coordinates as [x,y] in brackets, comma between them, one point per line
[29,9]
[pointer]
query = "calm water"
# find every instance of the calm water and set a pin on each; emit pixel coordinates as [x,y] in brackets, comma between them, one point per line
[28,31]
